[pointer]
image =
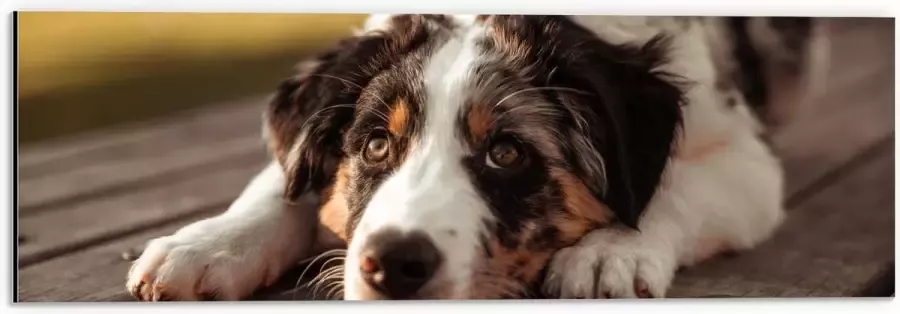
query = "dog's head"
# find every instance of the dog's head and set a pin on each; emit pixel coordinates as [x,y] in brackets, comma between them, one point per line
[457,154]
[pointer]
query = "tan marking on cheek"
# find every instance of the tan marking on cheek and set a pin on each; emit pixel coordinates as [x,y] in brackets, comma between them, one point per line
[480,121]
[334,212]
[582,209]
[508,271]
[398,120]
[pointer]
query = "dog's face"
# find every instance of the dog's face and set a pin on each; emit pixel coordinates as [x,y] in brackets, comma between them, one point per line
[456,155]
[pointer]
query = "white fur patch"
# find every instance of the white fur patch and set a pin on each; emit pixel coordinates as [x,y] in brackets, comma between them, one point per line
[430,191]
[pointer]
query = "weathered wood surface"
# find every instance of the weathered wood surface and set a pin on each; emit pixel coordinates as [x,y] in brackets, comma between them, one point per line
[85,201]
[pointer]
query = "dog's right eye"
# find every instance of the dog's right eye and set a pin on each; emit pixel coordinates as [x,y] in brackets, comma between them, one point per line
[376,149]
[504,154]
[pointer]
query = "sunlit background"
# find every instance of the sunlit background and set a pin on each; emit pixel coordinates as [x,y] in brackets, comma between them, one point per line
[83,70]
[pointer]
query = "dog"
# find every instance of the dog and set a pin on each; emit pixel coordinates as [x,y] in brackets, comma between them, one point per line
[494,156]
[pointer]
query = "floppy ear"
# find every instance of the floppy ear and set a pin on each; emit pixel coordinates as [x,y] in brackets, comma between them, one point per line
[631,122]
[309,110]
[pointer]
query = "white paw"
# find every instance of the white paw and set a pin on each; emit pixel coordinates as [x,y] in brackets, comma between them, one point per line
[201,261]
[611,263]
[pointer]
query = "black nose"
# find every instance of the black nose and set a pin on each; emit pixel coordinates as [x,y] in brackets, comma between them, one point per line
[398,264]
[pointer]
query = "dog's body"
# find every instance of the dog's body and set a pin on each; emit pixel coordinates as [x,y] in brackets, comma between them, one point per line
[611,184]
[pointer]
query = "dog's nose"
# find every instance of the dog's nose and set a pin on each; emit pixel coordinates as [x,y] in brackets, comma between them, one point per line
[399,264]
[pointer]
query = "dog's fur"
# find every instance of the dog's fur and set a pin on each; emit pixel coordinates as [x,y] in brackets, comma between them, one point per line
[636,148]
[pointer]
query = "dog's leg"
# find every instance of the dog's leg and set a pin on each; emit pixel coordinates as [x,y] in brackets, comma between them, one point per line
[229,256]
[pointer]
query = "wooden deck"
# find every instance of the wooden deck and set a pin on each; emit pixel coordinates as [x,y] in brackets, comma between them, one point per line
[85,202]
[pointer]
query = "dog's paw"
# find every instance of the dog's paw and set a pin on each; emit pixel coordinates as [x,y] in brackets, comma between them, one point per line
[200,262]
[611,263]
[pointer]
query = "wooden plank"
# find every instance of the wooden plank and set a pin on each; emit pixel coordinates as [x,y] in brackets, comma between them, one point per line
[856,111]
[117,176]
[95,274]
[812,147]
[833,245]
[61,231]
[206,125]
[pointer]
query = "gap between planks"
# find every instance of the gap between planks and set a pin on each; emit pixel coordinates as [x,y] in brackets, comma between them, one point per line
[89,223]
[35,159]
[127,175]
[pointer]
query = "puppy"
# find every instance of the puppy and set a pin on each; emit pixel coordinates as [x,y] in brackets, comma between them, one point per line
[463,157]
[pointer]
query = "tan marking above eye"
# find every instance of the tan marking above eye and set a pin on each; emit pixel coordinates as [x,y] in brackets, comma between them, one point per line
[503,154]
[480,121]
[376,149]
[399,118]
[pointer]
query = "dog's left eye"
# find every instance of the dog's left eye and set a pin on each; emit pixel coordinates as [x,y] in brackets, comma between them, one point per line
[504,154]
[376,149]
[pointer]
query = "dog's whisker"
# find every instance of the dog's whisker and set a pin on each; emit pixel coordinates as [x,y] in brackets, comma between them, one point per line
[327,272]
[380,114]
[326,253]
[332,288]
[346,81]
[327,278]
[322,276]
[316,258]
[332,273]
[352,106]
[339,259]
[555,88]
[310,118]
[312,261]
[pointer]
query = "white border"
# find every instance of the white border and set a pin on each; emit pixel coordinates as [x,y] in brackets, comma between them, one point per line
[848,8]
[629,7]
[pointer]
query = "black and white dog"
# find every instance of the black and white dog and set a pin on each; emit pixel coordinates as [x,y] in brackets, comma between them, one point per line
[481,156]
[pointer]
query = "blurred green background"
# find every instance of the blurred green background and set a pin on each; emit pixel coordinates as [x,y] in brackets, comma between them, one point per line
[79,71]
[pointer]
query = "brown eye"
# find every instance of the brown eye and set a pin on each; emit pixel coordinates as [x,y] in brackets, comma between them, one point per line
[376,149]
[504,154]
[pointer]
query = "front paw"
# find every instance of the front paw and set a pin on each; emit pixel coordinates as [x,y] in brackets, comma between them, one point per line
[200,262]
[611,263]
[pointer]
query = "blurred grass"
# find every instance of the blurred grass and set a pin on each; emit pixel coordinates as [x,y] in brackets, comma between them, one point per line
[85,70]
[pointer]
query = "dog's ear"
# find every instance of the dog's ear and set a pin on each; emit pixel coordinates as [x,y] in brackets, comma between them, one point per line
[306,116]
[310,111]
[627,128]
